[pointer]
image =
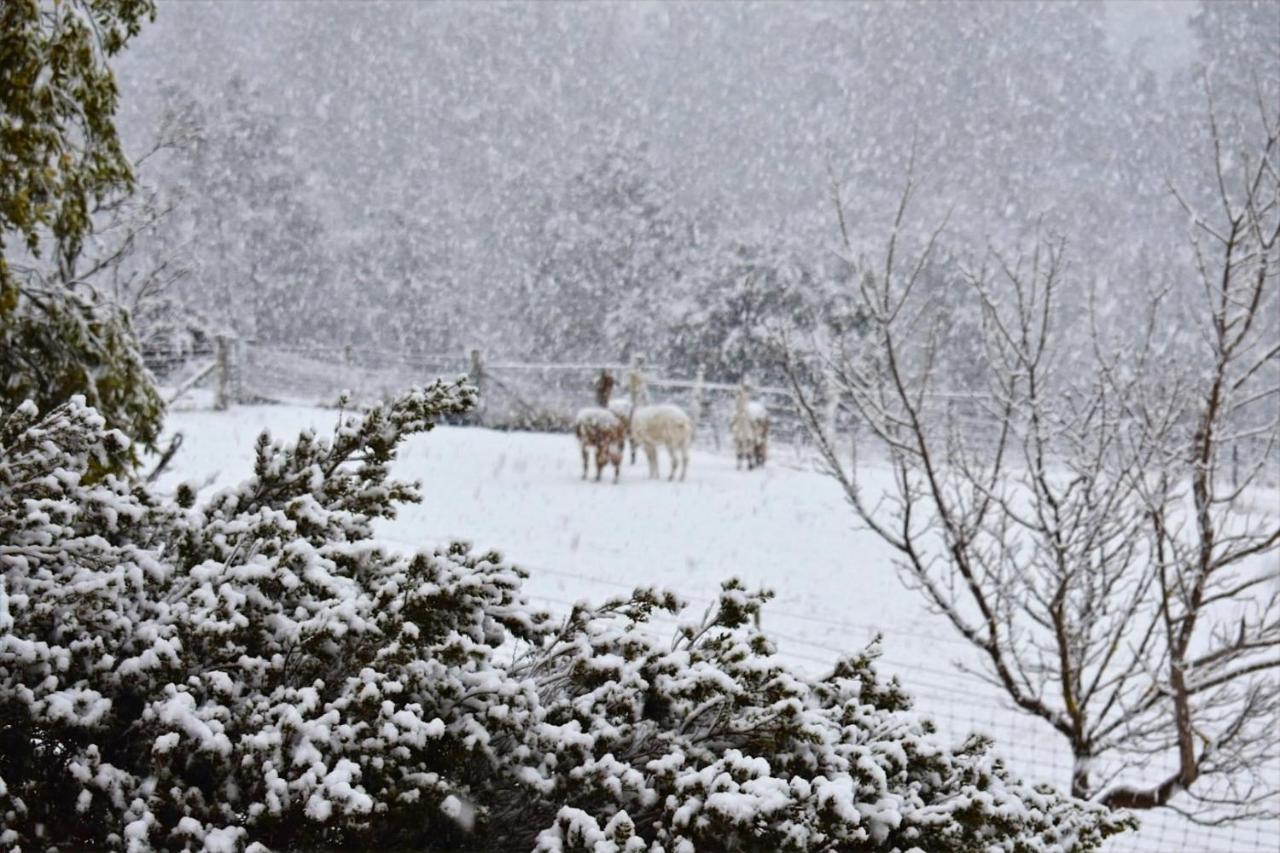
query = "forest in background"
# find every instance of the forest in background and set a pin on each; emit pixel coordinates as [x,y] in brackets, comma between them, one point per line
[569,182]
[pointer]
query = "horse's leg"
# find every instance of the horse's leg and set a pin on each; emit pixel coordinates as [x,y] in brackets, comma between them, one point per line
[601,461]
[684,461]
[586,453]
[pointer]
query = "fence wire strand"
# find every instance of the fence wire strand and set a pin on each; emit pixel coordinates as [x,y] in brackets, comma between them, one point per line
[541,396]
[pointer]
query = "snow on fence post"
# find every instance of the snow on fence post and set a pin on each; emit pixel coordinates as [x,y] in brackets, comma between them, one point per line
[475,375]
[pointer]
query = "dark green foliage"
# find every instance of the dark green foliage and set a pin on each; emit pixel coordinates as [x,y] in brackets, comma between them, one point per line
[57,116]
[61,156]
[56,343]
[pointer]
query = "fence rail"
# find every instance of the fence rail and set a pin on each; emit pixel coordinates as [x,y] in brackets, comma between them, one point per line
[546,396]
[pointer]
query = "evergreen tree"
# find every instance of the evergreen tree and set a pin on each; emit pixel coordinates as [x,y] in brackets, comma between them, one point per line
[62,160]
[399,286]
[616,249]
[755,291]
[259,251]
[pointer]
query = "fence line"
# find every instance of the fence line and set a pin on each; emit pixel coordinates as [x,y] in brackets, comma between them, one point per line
[593,366]
[1021,741]
[269,368]
[545,396]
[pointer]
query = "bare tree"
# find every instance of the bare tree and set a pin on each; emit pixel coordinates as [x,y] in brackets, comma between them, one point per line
[1099,538]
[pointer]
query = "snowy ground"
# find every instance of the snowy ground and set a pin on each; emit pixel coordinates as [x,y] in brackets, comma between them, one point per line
[781,527]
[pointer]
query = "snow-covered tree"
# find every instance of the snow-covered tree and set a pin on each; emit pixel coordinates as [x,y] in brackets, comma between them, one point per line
[260,262]
[616,248]
[60,334]
[57,342]
[1026,108]
[754,291]
[1240,54]
[256,672]
[132,259]
[398,284]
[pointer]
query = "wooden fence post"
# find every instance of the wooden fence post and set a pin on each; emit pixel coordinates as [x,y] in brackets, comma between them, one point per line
[637,382]
[222,398]
[700,404]
[699,394]
[831,402]
[475,375]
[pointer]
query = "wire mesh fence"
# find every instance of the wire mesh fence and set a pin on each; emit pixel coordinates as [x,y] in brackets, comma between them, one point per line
[960,704]
[546,396]
[514,395]
[517,395]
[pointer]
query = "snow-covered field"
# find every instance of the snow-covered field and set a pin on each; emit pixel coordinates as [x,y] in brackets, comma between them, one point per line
[782,527]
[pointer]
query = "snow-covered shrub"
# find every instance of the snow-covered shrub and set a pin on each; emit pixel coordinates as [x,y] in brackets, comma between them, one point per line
[57,342]
[710,743]
[257,672]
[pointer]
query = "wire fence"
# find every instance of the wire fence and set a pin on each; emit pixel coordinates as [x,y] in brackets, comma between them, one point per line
[516,395]
[960,704]
[513,395]
[546,396]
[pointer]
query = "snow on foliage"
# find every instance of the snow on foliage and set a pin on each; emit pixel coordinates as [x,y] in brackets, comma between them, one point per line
[255,672]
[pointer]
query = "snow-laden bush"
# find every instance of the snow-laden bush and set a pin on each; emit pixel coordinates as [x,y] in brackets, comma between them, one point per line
[258,672]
